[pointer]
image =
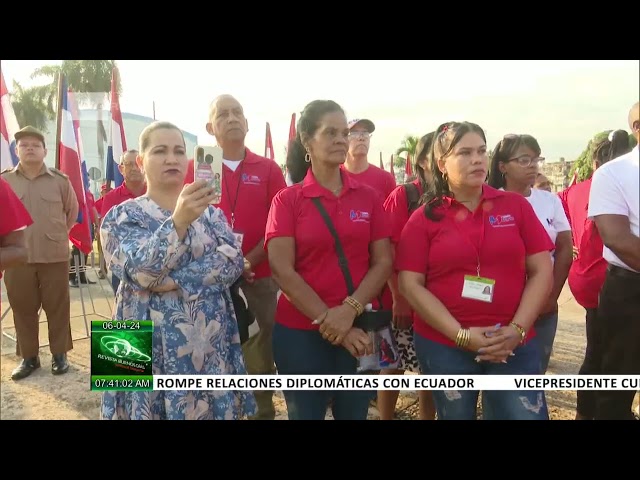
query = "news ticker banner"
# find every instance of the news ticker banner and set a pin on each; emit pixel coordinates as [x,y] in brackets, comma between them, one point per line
[121,359]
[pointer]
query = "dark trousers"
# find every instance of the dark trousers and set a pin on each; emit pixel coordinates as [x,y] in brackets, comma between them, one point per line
[36,285]
[618,320]
[586,401]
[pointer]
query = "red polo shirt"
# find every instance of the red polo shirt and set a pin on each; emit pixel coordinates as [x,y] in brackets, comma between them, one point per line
[357,216]
[116,197]
[588,270]
[397,205]
[98,205]
[502,231]
[380,180]
[246,196]
[384,183]
[13,214]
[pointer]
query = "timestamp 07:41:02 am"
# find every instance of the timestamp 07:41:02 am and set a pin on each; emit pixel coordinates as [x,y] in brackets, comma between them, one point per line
[122,382]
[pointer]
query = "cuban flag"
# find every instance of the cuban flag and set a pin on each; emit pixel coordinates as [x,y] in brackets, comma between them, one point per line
[8,128]
[268,144]
[69,163]
[117,141]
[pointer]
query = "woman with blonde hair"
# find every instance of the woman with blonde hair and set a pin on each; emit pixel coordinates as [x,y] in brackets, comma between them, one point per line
[177,258]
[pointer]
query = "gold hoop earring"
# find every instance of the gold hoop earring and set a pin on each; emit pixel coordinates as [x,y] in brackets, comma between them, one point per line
[307,157]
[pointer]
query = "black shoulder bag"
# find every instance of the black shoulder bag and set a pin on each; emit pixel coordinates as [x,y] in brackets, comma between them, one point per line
[413,197]
[367,321]
[243,315]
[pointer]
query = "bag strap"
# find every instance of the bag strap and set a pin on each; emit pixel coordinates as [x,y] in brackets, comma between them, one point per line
[413,196]
[342,259]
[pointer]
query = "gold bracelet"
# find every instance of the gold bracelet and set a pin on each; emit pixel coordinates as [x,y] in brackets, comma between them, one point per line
[356,305]
[463,338]
[521,331]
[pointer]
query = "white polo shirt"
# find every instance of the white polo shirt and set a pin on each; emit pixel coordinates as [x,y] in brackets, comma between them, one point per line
[550,212]
[615,190]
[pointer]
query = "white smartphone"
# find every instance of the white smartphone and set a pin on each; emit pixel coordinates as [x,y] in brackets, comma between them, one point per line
[207,161]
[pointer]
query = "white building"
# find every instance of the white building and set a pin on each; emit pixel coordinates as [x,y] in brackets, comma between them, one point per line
[133,126]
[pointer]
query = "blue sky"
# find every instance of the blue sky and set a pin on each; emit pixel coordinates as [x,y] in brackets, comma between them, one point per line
[561,102]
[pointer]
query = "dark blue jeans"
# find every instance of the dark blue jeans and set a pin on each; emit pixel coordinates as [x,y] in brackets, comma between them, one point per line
[438,359]
[305,352]
[546,328]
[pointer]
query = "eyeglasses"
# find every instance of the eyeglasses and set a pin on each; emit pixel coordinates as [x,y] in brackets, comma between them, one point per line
[363,135]
[527,160]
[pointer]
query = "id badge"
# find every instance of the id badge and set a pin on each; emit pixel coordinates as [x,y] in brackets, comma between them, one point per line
[478,288]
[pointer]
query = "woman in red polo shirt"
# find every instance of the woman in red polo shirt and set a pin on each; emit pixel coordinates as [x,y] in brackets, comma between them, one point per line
[467,237]
[314,331]
[400,203]
[14,218]
[514,168]
[588,270]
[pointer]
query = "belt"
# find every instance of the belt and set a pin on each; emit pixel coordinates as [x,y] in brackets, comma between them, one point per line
[616,271]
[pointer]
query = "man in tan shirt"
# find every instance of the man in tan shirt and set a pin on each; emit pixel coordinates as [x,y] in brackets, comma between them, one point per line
[49,198]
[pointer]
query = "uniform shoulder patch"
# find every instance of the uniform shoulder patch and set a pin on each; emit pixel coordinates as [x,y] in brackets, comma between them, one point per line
[58,172]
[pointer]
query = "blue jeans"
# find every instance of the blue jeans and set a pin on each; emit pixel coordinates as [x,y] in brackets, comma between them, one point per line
[305,352]
[438,359]
[545,328]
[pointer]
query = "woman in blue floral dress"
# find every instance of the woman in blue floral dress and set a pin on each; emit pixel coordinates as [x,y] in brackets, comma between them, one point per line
[177,258]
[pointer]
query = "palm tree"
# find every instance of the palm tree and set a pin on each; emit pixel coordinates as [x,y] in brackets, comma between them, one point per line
[409,147]
[29,107]
[89,80]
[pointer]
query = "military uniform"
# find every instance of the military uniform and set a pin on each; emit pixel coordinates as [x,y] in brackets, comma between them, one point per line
[43,280]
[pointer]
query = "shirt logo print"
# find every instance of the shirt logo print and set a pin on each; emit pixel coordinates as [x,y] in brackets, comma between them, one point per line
[359,216]
[250,179]
[502,220]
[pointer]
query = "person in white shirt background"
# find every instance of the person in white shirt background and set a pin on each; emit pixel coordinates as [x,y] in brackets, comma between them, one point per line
[614,207]
[514,168]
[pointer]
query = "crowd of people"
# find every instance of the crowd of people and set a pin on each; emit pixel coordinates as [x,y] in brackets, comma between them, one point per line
[462,266]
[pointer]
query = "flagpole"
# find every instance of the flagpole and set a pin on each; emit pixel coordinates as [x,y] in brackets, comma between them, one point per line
[59,119]
[154,110]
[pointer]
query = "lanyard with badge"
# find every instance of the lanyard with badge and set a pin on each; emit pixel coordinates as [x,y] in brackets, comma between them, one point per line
[477,287]
[239,235]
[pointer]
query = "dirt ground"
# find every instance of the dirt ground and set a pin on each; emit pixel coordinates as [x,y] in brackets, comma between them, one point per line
[43,396]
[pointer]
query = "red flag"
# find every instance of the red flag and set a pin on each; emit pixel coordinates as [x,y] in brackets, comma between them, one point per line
[408,171]
[268,144]
[292,127]
[69,163]
[117,141]
[8,128]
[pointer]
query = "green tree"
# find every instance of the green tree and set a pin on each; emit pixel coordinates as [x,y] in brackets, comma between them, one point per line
[29,107]
[409,147]
[89,80]
[584,163]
